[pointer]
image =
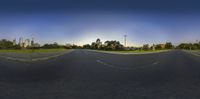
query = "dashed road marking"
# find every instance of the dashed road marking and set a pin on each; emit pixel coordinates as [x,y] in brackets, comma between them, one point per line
[117,67]
[155,63]
[100,61]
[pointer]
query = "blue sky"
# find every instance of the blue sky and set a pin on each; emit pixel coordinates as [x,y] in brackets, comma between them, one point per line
[83,22]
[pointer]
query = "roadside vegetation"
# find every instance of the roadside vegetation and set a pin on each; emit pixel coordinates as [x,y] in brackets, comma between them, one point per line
[116,46]
[9,46]
[112,46]
[189,46]
[32,50]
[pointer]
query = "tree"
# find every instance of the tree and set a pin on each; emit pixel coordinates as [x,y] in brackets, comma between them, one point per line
[6,44]
[94,45]
[113,45]
[187,46]
[146,47]
[98,40]
[168,45]
[86,46]
[196,46]
[54,45]
[158,47]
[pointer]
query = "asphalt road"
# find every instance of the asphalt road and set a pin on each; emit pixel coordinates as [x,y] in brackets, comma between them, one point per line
[82,74]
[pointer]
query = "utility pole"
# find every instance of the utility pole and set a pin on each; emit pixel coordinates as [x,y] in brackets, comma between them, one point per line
[125,40]
[32,41]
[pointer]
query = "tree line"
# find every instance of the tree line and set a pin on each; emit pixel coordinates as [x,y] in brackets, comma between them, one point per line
[115,45]
[167,45]
[107,45]
[6,44]
[189,46]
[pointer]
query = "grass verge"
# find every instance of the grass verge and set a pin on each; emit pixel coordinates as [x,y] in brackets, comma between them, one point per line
[32,50]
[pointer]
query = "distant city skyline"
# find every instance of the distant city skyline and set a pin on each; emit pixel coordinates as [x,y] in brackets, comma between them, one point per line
[82,24]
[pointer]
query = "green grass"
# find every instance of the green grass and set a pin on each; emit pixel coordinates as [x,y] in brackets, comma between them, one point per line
[137,51]
[32,51]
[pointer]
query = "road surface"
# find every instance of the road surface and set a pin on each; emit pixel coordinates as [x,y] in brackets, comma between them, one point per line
[82,74]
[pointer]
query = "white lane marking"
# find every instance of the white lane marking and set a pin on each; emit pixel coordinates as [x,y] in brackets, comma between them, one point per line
[117,67]
[109,65]
[100,60]
[155,63]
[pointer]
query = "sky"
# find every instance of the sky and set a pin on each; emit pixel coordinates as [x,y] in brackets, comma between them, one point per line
[83,21]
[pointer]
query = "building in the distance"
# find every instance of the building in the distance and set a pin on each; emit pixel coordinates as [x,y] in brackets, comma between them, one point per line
[27,43]
[14,42]
[21,42]
[32,42]
[24,43]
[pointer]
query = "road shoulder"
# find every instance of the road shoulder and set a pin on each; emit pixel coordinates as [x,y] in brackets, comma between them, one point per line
[31,57]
